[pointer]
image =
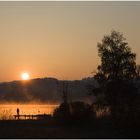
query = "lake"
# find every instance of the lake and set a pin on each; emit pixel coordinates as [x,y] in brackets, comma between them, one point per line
[7,111]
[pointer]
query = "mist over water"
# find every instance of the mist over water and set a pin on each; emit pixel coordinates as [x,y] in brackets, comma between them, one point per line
[7,111]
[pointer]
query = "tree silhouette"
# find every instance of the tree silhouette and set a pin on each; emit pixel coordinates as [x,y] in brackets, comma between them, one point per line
[116,74]
[117,60]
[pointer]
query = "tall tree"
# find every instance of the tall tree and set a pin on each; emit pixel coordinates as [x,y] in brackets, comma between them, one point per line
[117,60]
[116,73]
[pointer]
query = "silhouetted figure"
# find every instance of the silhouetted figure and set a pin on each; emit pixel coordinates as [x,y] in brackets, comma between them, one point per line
[18,113]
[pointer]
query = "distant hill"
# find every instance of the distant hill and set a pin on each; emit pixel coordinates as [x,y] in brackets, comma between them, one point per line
[45,90]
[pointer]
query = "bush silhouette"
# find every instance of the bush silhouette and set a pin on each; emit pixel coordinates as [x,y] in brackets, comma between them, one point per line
[74,112]
[62,112]
[81,111]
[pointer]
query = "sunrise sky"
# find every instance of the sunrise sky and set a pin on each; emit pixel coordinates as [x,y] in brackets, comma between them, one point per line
[59,39]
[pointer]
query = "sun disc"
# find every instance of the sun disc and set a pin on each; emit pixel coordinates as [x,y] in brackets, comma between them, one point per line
[25,76]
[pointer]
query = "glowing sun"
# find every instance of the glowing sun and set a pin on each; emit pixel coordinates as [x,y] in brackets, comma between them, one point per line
[25,76]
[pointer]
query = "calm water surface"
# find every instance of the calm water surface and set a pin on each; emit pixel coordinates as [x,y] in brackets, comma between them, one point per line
[7,111]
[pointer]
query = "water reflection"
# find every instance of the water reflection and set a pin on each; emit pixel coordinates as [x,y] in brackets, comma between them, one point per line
[7,111]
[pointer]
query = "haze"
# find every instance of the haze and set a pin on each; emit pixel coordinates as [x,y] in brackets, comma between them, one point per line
[59,39]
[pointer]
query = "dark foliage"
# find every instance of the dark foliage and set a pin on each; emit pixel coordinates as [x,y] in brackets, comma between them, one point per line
[81,111]
[76,112]
[116,76]
[121,97]
[117,60]
[62,112]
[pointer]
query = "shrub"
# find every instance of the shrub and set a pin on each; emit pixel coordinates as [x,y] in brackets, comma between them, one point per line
[74,112]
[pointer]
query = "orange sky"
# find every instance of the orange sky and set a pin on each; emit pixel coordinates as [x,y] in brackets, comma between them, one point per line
[59,39]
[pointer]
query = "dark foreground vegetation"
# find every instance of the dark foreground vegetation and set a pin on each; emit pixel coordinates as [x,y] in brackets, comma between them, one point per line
[54,129]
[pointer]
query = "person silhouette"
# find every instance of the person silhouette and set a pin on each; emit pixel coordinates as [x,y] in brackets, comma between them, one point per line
[18,113]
